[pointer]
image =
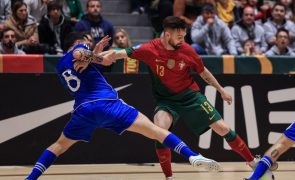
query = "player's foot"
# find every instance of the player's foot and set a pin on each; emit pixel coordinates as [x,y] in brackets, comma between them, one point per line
[209,164]
[169,178]
[256,160]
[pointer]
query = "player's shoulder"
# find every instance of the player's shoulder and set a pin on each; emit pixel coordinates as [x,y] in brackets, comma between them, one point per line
[187,48]
[154,43]
[147,46]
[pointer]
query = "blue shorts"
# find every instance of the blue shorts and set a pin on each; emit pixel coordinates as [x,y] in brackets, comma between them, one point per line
[290,131]
[114,115]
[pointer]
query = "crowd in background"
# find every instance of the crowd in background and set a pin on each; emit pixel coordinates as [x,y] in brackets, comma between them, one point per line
[215,27]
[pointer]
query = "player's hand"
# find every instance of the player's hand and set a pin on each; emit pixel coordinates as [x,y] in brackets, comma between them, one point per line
[210,21]
[101,44]
[226,97]
[80,66]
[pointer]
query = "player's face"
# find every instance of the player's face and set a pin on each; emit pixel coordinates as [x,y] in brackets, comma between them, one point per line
[176,37]
[89,41]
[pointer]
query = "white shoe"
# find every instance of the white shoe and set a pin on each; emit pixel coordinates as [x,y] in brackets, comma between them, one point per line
[169,178]
[256,160]
[209,164]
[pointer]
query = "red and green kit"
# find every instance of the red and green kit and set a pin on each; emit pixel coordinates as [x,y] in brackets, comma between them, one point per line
[174,88]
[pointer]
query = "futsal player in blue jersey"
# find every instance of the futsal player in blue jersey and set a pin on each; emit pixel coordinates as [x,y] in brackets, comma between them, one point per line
[284,143]
[97,105]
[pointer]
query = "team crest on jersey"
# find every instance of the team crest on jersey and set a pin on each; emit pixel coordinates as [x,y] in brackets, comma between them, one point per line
[170,63]
[181,65]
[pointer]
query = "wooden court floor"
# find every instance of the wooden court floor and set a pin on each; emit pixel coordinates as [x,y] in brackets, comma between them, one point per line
[231,171]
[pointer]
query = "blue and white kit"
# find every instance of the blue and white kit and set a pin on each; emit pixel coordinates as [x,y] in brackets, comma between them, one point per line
[97,104]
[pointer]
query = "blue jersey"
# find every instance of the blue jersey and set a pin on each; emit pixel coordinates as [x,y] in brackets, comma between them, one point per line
[85,87]
[290,131]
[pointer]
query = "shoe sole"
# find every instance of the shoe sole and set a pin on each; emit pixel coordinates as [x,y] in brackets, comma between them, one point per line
[274,166]
[211,166]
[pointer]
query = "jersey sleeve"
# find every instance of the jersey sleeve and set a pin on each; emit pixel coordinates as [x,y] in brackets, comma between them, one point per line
[196,61]
[140,52]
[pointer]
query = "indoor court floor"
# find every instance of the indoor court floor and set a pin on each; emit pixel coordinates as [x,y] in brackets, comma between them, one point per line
[231,171]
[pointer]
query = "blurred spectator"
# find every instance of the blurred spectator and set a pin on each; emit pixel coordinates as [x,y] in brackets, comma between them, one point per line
[53,28]
[37,8]
[95,24]
[281,45]
[277,21]
[165,8]
[72,9]
[5,10]
[290,5]
[246,29]
[225,11]
[212,34]
[249,48]
[138,6]
[25,27]
[8,40]
[188,10]
[130,66]
[122,39]
[238,10]
[261,10]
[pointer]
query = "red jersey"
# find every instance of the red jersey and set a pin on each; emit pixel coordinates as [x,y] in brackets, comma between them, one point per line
[171,67]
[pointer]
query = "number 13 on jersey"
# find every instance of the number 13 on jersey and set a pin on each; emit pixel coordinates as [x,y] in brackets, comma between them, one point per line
[160,70]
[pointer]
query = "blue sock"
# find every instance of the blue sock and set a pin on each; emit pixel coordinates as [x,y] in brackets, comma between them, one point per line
[45,160]
[262,167]
[173,142]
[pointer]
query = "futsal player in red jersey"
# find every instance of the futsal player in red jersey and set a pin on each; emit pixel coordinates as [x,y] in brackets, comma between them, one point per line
[170,60]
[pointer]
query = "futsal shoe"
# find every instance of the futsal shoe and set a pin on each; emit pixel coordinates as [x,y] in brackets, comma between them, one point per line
[256,160]
[209,164]
[169,178]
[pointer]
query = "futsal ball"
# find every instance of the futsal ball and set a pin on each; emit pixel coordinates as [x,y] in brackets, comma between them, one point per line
[268,175]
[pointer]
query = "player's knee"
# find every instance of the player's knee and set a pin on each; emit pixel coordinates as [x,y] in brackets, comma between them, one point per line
[221,128]
[58,148]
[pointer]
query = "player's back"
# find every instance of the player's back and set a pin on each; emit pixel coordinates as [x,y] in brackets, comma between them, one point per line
[88,86]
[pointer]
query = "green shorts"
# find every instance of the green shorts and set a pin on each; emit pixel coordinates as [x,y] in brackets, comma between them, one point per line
[195,110]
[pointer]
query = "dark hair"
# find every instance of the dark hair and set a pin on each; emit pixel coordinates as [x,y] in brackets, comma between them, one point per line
[4,31]
[208,7]
[53,5]
[282,30]
[173,22]
[72,37]
[279,4]
[87,4]
[16,6]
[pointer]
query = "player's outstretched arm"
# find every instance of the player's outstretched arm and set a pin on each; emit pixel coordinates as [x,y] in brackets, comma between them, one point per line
[113,55]
[210,79]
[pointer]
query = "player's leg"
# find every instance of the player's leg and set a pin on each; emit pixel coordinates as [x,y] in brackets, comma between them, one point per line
[282,145]
[144,126]
[164,120]
[271,155]
[235,141]
[49,155]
